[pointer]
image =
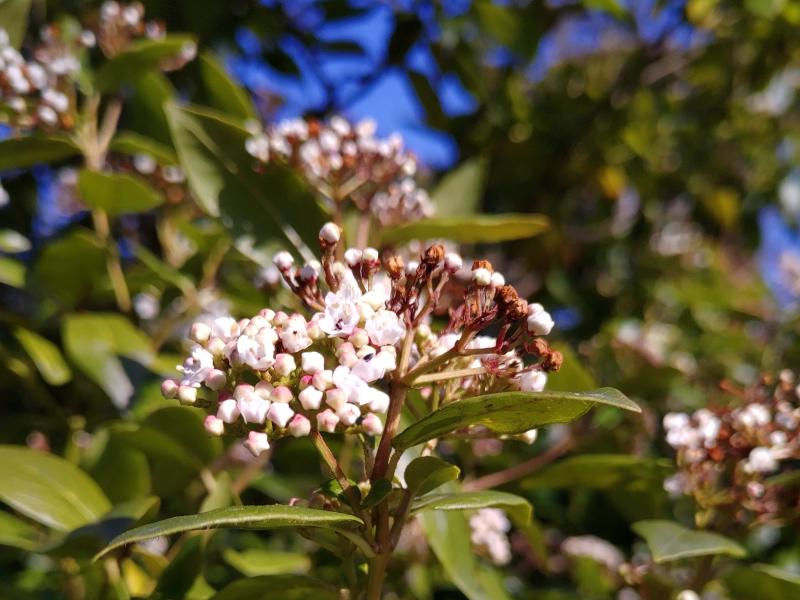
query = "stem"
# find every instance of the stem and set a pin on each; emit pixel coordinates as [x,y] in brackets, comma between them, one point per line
[397,396]
[113,263]
[362,230]
[377,573]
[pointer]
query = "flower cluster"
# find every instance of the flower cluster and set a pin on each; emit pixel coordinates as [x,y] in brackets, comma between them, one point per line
[733,459]
[489,529]
[280,374]
[345,161]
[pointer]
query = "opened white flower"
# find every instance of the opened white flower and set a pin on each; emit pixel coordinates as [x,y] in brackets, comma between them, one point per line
[385,328]
[196,367]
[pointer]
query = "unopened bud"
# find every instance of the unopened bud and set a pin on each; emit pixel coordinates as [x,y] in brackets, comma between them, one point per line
[453,262]
[299,426]
[310,271]
[481,277]
[213,425]
[280,413]
[169,388]
[372,425]
[352,257]
[283,260]
[330,234]
[394,267]
[539,320]
[322,380]
[310,398]
[187,394]
[532,381]
[216,380]
[312,362]
[281,394]
[335,398]
[257,442]
[497,280]
[433,255]
[370,256]
[348,414]
[284,364]
[411,268]
[200,333]
[228,410]
[327,421]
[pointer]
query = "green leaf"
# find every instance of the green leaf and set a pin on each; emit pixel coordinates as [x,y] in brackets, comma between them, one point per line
[517,507]
[379,490]
[14,19]
[670,541]
[95,341]
[254,562]
[223,92]
[764,582]
[12,272]
[117,193]
[238,517]
[511,412]
[572,376]
[13,242]
[71,268]
[460,191]
[130,143]
[611,6]
[16,532]
[45,355]
[162,270]
[426,473]
[219,171]
[49,489]
[469,229]
[285,587]
[139,58]
[601,471]
[120,468]
[22,152]
[183,569]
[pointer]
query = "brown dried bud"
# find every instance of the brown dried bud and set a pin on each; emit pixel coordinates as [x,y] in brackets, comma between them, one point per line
[394,266]
[314,127]
[552,361]
[482,264]
[433,255]
[517,310]
[539,347]
[506,295]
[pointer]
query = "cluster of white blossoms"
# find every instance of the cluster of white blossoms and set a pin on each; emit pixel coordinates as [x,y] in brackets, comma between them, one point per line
[279,374]
[737,448]
[345,161]
[489,529]
[595,548]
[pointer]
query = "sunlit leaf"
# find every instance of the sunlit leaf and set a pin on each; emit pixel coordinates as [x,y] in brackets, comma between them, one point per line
[13,242]
[14,19]
[255,561]
[517,507]
[16,532]
[670,541]
[45,355]
[21,152]
[12,272]
[117,193]
[469,229]
[426,473]
[459,192]
[223,92]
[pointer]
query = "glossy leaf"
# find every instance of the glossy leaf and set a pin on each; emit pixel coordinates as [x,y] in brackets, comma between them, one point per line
[223,92]
[286,587]
[13,242]
[469,229]
[601,471]
[238,517]
[511,412]
[49,489]
[131,143]
[117,193]
[22,152]
[139,58]
[14,19]
[670,541]
[517,507]
[426,473]
[255,561]
[45,355]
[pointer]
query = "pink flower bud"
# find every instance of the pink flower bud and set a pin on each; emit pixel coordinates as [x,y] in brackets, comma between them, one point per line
[187,394]
[216,380]
[305,381]
[216,346]
[283,260]
[280,413]
[200,333]
[243,390]
[213,425]
[280,319]
[281,394]
[169,388]
[257,442]
[322,380]
[310,271]
[284,364]
[330,233]
[310,398]
[372,425]
[228,411]
[348,414]
[312,362]
[299,426]
[453,262]
[264,390]
[327,421]
[335,398]
[267,313]
[352,257]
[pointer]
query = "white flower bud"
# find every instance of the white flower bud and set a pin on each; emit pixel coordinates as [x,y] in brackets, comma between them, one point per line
[497,280]
[359,338]
[532,381]
[216,380]
[257,442]
[216,346]
[539,320]
[228,411]
[411,267]
[187,394]
[348,414]
[310,271]
[352,257]
[370,256]
[284,364]
[453,262]
[529,437]
[281,394]
[372,425]
[312,362]
[330,233]
[322,380]
[169,388]
[335,398]
[299,426]
[213,425]
[264,390]
[378,401]
[482,276]
[327,421]
[253,408]
[310,398]
[283,260]
[280,413]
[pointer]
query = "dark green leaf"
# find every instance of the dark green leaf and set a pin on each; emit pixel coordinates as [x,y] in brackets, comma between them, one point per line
[223,92]
[511,412]
[764,582]
[426,473]
[670,541]
[254,562]
[71,268]
[120,468]
[142,56]
[460,191]
[117,193]
[182,570]
[469,229]
[517,507]
[22,152]
[379,490]
[285,587]
[14,19]
[45,355]
[49,489]
[238,517]
[130,143]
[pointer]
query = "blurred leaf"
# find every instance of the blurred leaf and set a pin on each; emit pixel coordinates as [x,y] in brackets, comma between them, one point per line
[612,6]
[511,412]
[499,21]
[22,152]
[427,95]
[254,562]
[601,471]
[183,569]
[45,355]
[138,59]
[220,175]
[224,93]
[460,191]
[287,587]
[12,272]
[379,490]
[117,193]
[145,112]
[670,541]
[14,19]
[13,242]
[238,517]
[764,582]
[49,489]
[469,229]
[70,268]
[130,143]
[407,30]
[120,469]
[16,532]
[162,270]
[221,496]
[426,473]
[572,376]
[95,341]
[517,507]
